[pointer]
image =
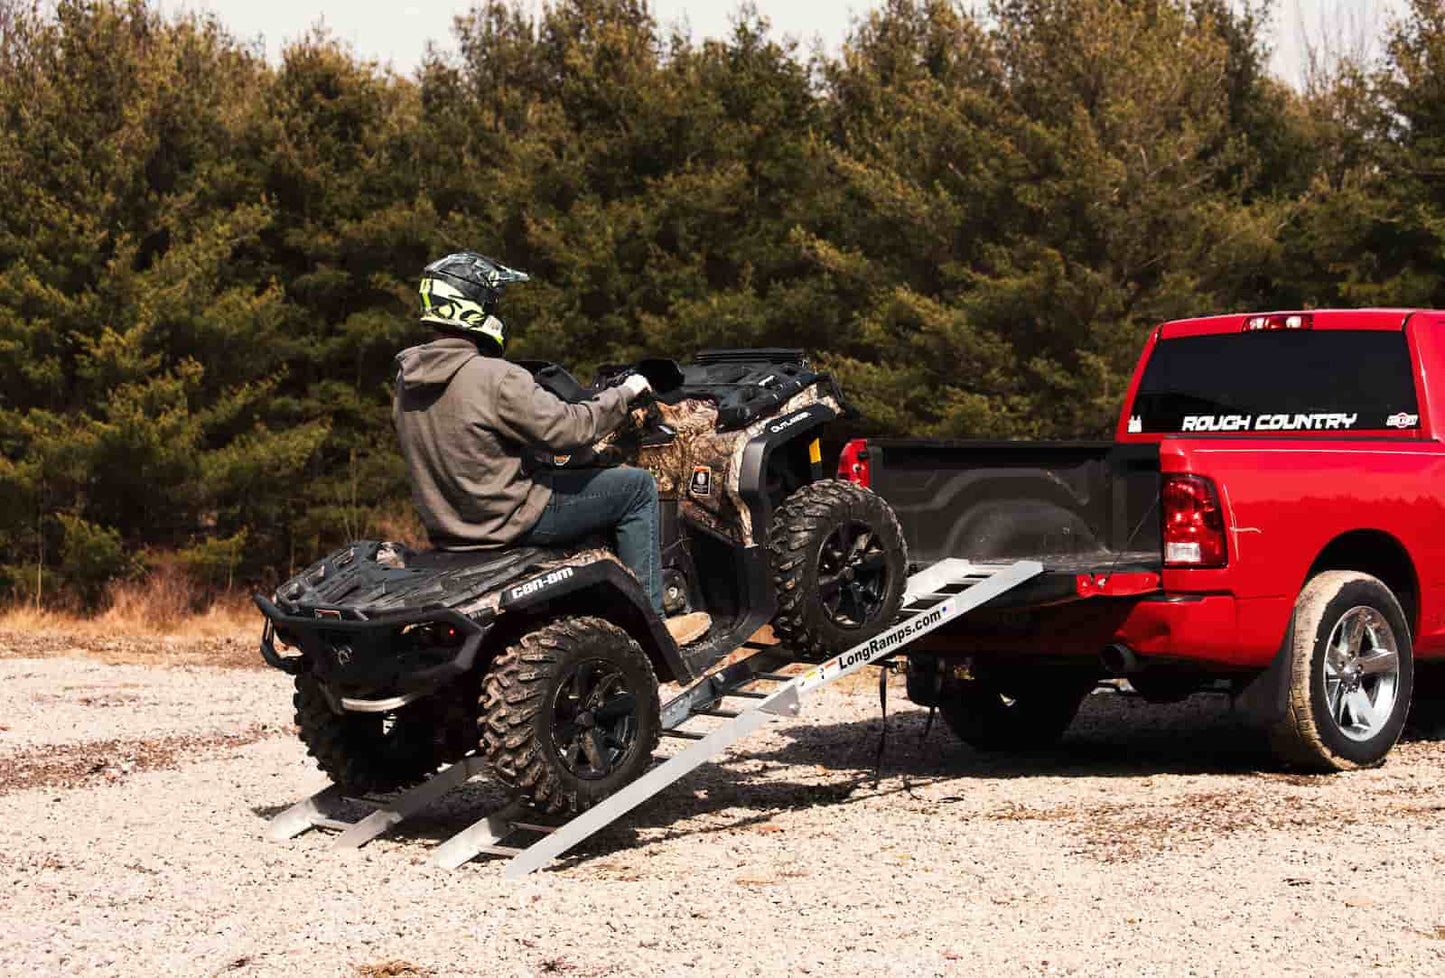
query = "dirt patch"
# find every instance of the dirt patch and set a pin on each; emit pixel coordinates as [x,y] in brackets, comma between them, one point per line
[225,652]
[102,761]
[1195,822]
[391,969]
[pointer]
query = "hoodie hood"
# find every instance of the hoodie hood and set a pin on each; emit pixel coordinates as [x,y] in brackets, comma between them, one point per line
[434,363]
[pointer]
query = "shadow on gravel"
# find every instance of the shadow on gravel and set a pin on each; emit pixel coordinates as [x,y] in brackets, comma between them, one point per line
[1113,736]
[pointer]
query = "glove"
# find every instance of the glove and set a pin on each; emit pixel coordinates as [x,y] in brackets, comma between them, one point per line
[635,385]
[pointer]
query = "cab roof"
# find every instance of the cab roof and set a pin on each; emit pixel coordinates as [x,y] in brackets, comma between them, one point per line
[1380,319]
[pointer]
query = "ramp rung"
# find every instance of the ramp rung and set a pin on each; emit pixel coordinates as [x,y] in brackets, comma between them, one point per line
[725,714]
[683,734]
[748,694]
[534,827]
[774,677]
[501,850]
[335,824]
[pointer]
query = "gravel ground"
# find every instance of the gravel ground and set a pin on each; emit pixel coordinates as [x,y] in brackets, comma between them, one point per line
[1155,841]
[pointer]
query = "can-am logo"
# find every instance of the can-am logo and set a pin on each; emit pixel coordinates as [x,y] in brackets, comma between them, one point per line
[785,425]
[1402,420]
[539,583]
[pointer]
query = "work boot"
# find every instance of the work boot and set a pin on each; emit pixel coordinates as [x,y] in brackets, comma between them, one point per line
[686,629]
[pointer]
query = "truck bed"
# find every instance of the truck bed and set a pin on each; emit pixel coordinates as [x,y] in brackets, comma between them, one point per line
[1088,511]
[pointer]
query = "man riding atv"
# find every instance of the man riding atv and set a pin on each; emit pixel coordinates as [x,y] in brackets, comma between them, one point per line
[542,655]
[479,435]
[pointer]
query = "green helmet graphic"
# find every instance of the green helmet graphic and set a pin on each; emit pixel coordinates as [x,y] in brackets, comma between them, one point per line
[459,293]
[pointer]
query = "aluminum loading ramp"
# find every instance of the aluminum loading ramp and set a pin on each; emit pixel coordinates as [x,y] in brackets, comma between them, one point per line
[932,598]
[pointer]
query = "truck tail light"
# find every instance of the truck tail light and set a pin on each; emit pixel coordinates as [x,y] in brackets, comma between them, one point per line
[1293,320]
[1193,523]
[853,463]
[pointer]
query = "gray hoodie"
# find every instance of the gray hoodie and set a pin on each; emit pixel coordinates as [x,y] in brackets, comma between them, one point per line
[472,429]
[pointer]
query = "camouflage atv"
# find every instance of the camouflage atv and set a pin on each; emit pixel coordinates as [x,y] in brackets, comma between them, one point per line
[548,661]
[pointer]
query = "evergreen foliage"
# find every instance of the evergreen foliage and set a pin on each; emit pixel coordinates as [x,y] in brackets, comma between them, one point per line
[207,261]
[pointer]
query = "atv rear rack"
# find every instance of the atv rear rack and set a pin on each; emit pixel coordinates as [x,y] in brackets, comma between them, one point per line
[932,598]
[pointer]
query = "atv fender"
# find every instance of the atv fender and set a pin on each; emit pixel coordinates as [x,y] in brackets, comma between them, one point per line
[752,479]
[608,590]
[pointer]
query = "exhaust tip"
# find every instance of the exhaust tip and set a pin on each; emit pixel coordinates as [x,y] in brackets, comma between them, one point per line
[1119,660]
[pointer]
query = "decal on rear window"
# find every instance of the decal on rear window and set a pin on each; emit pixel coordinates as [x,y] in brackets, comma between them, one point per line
[1271,422]
[1278,381]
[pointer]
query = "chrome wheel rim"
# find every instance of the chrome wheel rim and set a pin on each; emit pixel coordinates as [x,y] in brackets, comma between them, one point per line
[1362,673]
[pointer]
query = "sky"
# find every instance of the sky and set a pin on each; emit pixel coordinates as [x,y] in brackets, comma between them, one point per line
[396,31]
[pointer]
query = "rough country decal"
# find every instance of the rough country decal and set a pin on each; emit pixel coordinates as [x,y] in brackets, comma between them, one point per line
[874,648]
[1402,420]
[1269,422]
[539,583]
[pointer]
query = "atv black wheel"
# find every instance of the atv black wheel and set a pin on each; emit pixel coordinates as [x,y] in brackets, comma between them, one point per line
[839,564]
[570,714]
[986,718]
[371,753]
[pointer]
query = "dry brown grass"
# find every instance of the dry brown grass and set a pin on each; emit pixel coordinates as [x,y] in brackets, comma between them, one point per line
[162,605]
[399,525]
[164,620]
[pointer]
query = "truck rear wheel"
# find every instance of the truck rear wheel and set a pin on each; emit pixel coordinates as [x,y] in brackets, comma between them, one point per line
[570,714]
[839,564]
[1034,715]
[1350,669]
[372,753]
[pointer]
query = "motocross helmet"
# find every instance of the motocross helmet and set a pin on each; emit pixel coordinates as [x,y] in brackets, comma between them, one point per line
[459,293]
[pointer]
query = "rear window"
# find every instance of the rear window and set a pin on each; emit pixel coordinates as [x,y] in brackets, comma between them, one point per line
[1285,380]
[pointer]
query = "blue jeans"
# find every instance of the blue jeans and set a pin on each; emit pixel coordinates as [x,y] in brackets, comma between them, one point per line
[621,501]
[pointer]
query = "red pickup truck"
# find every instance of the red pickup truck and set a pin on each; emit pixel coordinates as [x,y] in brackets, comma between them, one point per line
[1269,519]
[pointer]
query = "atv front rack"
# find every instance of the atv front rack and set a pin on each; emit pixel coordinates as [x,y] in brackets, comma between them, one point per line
[932,598]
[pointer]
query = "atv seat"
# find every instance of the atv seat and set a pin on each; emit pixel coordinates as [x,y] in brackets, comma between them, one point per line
[447,560]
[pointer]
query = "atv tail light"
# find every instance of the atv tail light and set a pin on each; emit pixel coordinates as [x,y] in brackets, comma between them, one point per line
[853,463]
[1193,523]
[1294,320]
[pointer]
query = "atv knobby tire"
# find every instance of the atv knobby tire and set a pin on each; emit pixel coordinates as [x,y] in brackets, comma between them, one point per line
[839,564]
[373,753]
[570,714]
[987,719]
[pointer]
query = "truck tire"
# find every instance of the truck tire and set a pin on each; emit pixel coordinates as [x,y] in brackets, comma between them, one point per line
[1350,669]
[988,719]
[371,753]
[570,714]
[839,564]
